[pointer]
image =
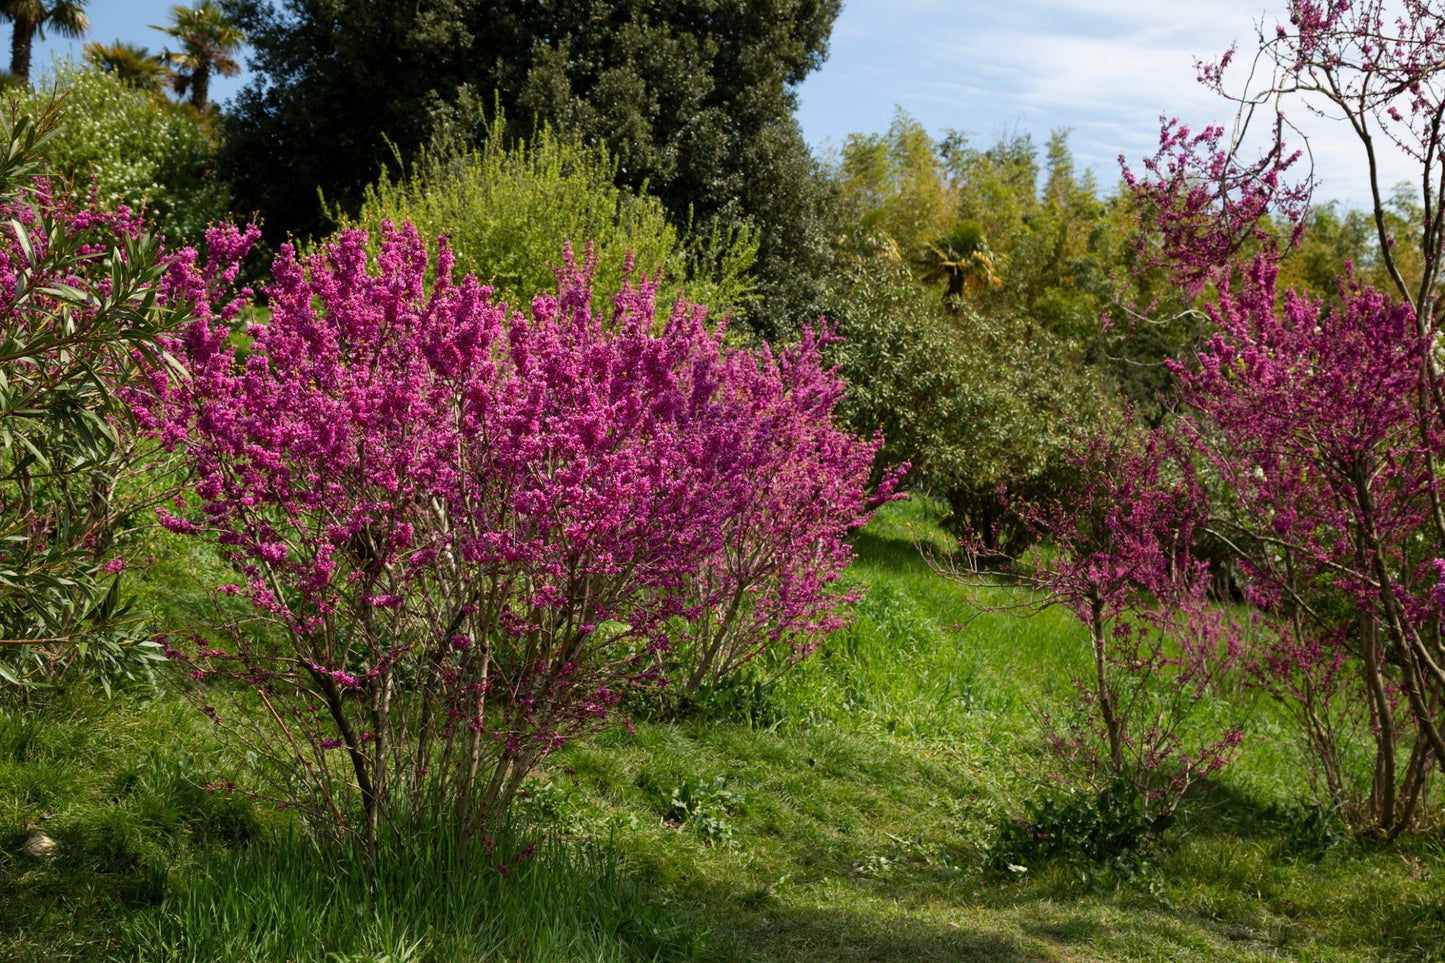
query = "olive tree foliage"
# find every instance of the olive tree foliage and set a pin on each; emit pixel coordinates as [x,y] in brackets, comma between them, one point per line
[140,150]
[693,99]
[508,206]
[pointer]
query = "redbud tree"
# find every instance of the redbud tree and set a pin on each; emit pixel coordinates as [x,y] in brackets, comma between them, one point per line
[1121,556]
[475,530]
[1323,422]
[1309,417]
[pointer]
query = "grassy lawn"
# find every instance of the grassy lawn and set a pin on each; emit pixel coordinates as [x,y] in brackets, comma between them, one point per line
[844,811]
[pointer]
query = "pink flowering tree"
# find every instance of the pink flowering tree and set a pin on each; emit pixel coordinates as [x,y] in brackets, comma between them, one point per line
[1202,210]
[1310,417]
[1379,65]
[1121,555]
[473,530]
[1323,422]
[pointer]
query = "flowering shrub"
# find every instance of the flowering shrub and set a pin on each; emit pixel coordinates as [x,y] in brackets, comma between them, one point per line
[1311,419]
[792,483]
[1324,422]
[1200,210]
[474,527]
[1122,558]
[142,150]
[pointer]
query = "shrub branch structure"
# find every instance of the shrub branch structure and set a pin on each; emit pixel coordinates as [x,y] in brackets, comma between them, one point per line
[472,531]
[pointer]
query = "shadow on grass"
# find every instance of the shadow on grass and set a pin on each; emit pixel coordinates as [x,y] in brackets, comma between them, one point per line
[895,554]
[1215,809]
[790,931]
[810,933]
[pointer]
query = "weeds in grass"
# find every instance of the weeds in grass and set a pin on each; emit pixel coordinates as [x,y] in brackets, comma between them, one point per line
[1111,829]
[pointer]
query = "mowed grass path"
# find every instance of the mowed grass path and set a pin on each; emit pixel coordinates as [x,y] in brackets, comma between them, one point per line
[843,811]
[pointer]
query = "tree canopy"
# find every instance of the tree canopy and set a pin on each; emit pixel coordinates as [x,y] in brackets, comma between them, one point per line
[693,97]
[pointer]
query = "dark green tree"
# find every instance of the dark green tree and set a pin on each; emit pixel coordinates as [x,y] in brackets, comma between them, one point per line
[694,98]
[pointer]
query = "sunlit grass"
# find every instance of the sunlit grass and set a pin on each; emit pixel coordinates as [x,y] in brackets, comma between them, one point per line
[840,809]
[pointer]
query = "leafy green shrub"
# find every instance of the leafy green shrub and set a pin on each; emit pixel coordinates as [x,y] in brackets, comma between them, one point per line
[142,150]
[508,210]
[705,806]
[1112,829]
[1307,830]
[971,401]
[83,298]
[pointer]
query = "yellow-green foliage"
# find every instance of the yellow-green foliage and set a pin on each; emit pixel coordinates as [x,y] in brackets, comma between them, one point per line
[895,187]
[509,209]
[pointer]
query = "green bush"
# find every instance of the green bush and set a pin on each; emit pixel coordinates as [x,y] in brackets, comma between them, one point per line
[508,210]
[972,401]
[142,150]
[1112,829]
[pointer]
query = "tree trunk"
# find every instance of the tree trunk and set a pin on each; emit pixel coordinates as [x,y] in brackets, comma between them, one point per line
[1382,794]
[201,87]
[20,45]
[1112,724]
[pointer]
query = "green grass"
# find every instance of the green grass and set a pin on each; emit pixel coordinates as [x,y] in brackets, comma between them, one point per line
[118,786]
[288,900]
[842,810]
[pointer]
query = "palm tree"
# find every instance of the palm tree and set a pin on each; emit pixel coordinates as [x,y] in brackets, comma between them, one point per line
[132,64]
[208,38]
[962,258]
[31,17]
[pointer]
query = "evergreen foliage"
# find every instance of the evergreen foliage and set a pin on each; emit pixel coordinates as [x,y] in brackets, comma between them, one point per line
[694,100]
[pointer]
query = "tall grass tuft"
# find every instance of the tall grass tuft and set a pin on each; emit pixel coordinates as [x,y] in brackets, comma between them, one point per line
[430,899]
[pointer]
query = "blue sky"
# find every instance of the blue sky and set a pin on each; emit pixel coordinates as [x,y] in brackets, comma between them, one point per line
[111,20]
[1106,69]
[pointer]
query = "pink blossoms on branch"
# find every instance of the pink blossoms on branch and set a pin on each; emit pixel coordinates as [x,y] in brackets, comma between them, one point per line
[480,528]
[1311,416]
